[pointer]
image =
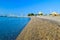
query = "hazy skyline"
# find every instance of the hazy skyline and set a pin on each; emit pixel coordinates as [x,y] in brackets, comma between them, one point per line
[23,7]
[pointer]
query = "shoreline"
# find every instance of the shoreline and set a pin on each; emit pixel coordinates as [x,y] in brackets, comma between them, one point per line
[38,26]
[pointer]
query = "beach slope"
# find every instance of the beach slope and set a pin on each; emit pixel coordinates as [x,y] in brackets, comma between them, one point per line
[40,29]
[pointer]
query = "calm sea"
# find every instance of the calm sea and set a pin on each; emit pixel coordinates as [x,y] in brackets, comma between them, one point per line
[11,27]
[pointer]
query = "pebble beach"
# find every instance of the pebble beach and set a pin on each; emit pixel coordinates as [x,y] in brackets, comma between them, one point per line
[40,29]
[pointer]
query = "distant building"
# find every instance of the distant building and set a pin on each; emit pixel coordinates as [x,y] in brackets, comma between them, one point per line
[54,14]
[40,13]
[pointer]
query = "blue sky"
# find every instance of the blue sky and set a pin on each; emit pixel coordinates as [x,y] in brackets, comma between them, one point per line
[23,7]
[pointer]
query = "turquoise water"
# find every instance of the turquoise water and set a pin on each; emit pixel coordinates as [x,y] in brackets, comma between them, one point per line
[11,27]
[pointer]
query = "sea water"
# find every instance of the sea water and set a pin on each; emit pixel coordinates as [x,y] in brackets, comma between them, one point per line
[10,27]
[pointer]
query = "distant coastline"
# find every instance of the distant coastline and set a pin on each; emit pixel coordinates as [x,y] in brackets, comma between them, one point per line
[12,16]
[8,16]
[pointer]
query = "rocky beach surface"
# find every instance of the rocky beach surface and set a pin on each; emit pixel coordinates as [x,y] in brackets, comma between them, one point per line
[40,29]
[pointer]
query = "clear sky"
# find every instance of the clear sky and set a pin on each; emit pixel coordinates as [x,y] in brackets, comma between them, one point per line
[23,7]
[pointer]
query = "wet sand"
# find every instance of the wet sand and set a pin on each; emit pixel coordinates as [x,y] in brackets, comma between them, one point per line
[40,29]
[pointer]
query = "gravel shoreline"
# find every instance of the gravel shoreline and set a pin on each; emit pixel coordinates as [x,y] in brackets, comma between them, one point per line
[40,29]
